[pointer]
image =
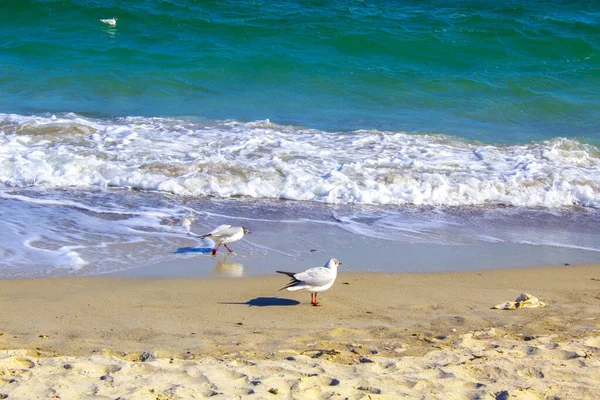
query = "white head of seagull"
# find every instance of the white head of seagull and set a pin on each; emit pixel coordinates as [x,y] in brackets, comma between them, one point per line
[313,280]
[226,234]
[109,21]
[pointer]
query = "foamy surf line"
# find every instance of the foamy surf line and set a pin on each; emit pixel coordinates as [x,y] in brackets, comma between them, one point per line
[262,160]
[61,232]
[82,232]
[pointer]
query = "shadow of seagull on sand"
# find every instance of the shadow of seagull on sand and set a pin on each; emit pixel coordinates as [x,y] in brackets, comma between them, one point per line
[267,302]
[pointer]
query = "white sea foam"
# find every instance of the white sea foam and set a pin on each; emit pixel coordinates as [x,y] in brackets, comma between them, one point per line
[264,160]
[51,165]
[57,235]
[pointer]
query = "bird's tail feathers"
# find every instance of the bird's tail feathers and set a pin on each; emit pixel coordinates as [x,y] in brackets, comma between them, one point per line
[292,283]
[290,274]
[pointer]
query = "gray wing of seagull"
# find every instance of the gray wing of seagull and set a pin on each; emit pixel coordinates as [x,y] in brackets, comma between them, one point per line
[315,276]
[219,231]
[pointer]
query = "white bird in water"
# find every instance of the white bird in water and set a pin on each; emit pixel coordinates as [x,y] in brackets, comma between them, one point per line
[226,234]
[109,21]
[313,280]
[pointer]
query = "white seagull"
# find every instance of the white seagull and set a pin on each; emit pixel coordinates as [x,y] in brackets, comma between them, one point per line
[313,280]
[109,21]
[226,234]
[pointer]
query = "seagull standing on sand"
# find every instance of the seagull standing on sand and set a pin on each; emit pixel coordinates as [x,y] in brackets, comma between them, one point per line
[313,280]
[109,21]
[226,234]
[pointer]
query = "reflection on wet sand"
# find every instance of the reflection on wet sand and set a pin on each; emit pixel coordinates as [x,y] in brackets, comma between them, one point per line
[231,269]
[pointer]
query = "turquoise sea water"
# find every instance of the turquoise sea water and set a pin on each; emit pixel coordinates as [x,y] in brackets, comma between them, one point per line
[427,125]
[499,72]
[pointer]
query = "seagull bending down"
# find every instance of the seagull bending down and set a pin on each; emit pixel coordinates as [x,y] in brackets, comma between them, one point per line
[109,21]
[313,280]
[226,234]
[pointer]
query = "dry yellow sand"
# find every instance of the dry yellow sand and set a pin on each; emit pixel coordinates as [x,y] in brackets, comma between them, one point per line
[375,336]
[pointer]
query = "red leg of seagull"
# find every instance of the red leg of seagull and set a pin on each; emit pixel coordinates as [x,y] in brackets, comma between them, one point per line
[214,251]
[231,251]
[313,299]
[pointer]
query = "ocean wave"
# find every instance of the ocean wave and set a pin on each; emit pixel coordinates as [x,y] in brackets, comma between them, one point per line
[191,157]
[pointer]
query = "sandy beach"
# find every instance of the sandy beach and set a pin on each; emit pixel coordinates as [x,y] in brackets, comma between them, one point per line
[439,150]
[378,336]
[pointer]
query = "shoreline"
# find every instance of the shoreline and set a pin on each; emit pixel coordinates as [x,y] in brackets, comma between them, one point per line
[295,236]
[387,333]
